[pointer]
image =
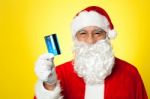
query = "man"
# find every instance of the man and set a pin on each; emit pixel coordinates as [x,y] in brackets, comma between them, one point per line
[94,73]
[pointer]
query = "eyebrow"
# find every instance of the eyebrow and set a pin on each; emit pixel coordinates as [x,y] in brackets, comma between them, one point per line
[99,30]
[82,30]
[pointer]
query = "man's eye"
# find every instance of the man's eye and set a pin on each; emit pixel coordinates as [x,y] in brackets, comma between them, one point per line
[97,32]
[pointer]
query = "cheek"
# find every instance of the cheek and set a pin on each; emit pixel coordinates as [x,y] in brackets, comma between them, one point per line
[81,38]
[100,37]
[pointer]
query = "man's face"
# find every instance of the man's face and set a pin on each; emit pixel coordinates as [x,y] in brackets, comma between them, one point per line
[90,34]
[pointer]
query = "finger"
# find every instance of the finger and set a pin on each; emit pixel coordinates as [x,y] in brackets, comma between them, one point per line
[47,56]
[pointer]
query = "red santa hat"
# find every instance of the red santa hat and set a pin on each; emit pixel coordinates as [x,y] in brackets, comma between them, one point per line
[93,16]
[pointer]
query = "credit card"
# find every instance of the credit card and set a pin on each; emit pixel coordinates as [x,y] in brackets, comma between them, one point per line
[52,44]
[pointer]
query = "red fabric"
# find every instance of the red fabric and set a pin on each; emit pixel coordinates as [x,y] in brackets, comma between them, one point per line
[124,82]
[34,97]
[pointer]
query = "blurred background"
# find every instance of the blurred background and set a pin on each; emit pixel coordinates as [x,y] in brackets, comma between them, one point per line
[24,23]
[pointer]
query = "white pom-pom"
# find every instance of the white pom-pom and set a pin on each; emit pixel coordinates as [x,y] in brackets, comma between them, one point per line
[112,34]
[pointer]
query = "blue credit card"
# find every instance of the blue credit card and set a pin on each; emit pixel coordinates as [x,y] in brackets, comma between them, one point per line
[52,44]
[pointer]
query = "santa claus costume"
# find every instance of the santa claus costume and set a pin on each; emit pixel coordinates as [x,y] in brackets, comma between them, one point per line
[116,79]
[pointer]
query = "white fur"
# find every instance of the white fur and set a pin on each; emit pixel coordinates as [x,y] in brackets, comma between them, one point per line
[93,62]
[112,34]
[42,93]
[94,91]
[91,18]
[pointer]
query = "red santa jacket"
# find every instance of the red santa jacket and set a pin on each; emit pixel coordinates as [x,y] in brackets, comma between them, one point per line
[123,83]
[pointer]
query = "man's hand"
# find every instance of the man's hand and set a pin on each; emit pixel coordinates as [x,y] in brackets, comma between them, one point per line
[44,69]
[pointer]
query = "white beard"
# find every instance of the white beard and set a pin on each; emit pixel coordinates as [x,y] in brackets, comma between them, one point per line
[93,62]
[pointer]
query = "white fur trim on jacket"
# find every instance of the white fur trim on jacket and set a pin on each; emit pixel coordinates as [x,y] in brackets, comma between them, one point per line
[42,93]
[95,91]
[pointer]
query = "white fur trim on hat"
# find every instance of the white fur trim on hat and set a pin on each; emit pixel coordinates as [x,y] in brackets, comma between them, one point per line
[91,18]
[112,34]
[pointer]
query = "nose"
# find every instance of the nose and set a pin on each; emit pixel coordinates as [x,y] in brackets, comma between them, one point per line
[90,39]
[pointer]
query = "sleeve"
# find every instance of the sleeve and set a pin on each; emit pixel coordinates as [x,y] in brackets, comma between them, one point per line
[140,89]
[42,93]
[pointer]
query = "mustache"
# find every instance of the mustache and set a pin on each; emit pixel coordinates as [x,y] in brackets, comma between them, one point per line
[99,47]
